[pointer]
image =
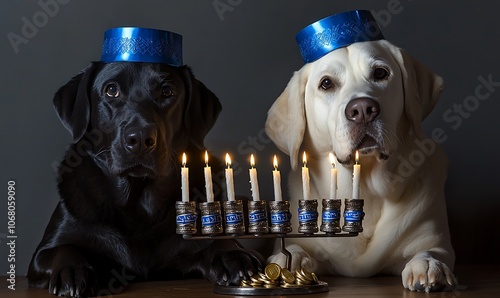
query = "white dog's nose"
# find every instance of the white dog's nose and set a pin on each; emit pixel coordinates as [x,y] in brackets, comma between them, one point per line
[362,110]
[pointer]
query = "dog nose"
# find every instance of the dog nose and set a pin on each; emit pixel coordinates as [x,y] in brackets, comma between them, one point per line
[140,140]
[362,110]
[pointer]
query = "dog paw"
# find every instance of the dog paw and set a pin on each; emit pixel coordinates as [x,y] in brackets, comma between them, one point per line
[426,274]
[72,281]
[232,266]
[300,259]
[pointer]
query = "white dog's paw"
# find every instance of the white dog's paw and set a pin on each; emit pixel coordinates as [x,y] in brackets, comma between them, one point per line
[300,259]
[427,274]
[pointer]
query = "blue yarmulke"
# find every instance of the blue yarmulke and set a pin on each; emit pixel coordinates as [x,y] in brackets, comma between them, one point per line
[133,44]
[337,31]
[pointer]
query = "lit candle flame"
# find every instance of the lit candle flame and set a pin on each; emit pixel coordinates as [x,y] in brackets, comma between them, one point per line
[357,157]
[252,161]
[332,160]
[184,160]
[304,159]
[275,162]
[206,158]
[228,160]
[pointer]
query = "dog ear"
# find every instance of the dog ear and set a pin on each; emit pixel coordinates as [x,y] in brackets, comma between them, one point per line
[422,88]
[72,103]
[286,120]
[201,109]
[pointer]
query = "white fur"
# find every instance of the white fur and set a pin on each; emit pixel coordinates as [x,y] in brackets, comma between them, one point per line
[405,227]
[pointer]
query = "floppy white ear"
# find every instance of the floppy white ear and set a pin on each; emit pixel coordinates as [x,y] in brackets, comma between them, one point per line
[421,86]
[286,121]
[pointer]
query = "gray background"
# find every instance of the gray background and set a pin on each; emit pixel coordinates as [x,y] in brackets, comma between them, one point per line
[246,55]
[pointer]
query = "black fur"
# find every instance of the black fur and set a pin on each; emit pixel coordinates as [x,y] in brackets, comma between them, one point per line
[118,183]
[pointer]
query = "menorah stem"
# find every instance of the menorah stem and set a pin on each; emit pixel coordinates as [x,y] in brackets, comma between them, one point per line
[286,253]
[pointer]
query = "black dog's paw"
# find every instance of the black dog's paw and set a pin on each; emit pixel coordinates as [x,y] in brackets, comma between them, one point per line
[73,281]
[230,267]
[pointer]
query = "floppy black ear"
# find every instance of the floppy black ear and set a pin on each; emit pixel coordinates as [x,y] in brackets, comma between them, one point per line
[202,108]
[72,102]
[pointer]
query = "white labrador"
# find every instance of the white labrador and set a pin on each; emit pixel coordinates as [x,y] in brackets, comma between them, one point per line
[372,97]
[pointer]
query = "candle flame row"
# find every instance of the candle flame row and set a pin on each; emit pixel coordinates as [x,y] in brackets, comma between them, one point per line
[275,159]
[276,178]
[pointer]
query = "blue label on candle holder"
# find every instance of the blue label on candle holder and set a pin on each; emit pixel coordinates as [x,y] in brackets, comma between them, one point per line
[280,217]
[331,215]
[211,220]
[257,216]
[234,218]
[308,216]
[185,219]
[353,216]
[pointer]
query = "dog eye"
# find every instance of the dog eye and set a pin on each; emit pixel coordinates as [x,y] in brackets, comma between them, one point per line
[380,73]
[326,83]
[167,92]
[112,90]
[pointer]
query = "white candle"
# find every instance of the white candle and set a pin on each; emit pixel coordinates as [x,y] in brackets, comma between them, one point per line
[333,178]
[355,178]
[184,179]
[208,180]
[305,179]
[229,179]
[253,180]
[277,181]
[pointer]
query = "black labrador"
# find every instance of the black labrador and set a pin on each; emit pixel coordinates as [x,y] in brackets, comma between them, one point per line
[118,183]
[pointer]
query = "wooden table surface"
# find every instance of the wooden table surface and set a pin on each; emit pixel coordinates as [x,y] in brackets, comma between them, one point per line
[476,281]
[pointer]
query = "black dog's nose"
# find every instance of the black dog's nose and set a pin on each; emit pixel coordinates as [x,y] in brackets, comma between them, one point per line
[139,140]
[362,110]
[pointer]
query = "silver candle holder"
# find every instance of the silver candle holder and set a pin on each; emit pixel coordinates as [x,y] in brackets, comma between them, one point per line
[280,217]
[186,217]
[211,218]
[234,219]
[257,217]
[353,215]
[330,216]
[308,216]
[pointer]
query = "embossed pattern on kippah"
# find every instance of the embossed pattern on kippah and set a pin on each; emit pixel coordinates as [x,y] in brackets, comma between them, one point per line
[342,34]
[135,44]
[143,46]
[336,31]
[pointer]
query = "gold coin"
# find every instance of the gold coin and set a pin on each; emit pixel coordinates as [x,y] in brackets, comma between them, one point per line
[301,280]
[299,276]
[256,284]
[254,278]
[269,282]
[302,283]
[273,271]
[288,285]
[262,276]
[307,274]
[268,286]
[315,278]
[287,276]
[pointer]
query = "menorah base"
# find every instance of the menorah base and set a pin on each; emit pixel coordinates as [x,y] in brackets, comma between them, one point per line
[321,287]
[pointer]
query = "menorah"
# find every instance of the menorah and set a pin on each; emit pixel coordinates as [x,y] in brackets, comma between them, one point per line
[268,219]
